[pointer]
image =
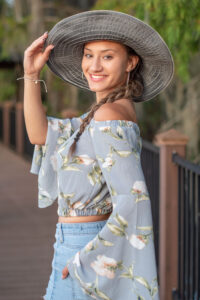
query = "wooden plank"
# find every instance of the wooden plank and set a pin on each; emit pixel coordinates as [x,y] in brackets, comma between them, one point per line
[27,233]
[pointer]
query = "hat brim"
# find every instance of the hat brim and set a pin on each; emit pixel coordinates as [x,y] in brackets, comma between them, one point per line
[70,34]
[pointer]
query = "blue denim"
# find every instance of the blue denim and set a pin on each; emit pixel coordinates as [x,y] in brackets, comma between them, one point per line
[70,238]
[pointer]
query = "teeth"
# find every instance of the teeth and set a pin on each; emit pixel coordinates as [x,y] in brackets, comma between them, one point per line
[97,76]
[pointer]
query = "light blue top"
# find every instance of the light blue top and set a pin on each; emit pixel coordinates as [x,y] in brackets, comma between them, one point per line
[104,175]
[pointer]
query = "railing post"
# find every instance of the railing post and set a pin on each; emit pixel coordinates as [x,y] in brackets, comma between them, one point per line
[19,129]
[169,141]
[69,113]
[7,105]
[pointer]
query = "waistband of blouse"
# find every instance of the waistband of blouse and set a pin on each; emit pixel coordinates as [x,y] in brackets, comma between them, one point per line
[84,212]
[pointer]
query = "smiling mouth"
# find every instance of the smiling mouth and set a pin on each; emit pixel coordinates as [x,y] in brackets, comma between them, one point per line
[97,77]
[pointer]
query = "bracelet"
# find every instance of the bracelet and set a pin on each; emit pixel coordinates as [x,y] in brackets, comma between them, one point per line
[35,80]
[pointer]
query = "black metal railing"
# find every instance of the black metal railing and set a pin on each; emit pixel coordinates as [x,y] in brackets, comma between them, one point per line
[150,164]
[1,123]
[188,230]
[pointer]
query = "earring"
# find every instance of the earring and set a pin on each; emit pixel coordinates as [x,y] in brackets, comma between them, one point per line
[82,74]
[128,77]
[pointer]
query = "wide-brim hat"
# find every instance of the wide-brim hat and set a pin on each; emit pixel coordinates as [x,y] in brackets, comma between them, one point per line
[69,35]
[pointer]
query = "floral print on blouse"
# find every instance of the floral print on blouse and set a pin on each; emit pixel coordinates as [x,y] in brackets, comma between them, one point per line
[104,175]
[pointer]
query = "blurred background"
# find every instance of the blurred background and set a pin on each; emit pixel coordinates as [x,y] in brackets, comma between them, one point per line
[170,157]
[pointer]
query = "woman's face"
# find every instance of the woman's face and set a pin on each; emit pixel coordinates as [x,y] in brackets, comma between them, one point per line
[105,65]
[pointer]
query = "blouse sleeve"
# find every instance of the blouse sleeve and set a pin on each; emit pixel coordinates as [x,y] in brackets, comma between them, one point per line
[44,162]
[120,261]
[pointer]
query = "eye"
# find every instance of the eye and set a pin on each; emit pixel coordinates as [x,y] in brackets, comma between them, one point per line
[108,56]
[86,55]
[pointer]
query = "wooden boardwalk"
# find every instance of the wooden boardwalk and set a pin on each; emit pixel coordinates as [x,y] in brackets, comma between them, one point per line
[27,233]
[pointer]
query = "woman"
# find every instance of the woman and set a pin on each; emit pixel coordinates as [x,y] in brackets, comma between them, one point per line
[104,245]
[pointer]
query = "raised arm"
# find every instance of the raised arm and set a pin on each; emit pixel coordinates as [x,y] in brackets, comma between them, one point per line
[34,113]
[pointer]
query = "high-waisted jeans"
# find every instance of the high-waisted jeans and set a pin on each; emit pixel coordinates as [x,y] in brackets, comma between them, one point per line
[70,238]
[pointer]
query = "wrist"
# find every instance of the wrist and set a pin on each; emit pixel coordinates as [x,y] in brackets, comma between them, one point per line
[34,76]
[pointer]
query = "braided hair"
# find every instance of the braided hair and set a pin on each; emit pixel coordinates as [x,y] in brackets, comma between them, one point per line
[131,91]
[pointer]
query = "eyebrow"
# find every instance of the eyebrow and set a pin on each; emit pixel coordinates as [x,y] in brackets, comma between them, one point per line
[102,50]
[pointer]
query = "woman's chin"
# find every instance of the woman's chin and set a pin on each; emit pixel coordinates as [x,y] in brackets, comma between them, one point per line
[96,88]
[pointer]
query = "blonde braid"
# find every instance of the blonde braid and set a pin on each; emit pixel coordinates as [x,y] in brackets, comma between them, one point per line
[133,90]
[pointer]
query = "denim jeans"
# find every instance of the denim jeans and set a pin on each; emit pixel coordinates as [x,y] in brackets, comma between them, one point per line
[70,238]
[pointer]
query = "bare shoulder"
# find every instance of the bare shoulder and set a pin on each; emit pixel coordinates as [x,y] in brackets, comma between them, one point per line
[118,110]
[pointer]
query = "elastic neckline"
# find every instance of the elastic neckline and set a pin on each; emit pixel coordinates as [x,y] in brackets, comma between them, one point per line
[126,123]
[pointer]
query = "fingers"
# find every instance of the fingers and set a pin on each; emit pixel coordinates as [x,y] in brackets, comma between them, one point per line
[47,51]
[40,40]
[37,44]
[65,272]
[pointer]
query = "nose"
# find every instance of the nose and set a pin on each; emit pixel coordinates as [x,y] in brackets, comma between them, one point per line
[95,64]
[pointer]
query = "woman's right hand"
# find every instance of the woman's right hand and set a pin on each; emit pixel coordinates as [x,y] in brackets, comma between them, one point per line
[35,58]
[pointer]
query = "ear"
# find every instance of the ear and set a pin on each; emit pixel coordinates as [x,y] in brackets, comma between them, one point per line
[132,62]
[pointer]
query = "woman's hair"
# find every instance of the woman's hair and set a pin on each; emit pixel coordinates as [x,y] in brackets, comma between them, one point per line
[133,90]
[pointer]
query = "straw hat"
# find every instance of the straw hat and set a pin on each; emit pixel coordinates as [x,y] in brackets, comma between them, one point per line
[69,35]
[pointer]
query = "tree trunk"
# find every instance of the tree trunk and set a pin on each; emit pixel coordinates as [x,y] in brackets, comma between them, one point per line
[36,27]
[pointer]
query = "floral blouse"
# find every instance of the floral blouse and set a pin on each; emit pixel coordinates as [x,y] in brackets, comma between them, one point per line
[119,263]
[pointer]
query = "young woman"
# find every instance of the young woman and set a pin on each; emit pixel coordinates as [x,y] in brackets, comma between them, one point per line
[104,246]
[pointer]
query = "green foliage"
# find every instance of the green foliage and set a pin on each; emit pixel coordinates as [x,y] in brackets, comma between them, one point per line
[8,85]
[13,38]
[178,22]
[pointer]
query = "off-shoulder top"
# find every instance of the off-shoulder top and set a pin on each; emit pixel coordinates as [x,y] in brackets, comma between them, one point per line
[104,175]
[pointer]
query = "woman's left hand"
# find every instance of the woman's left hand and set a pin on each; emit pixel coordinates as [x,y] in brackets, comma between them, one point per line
[65,272]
